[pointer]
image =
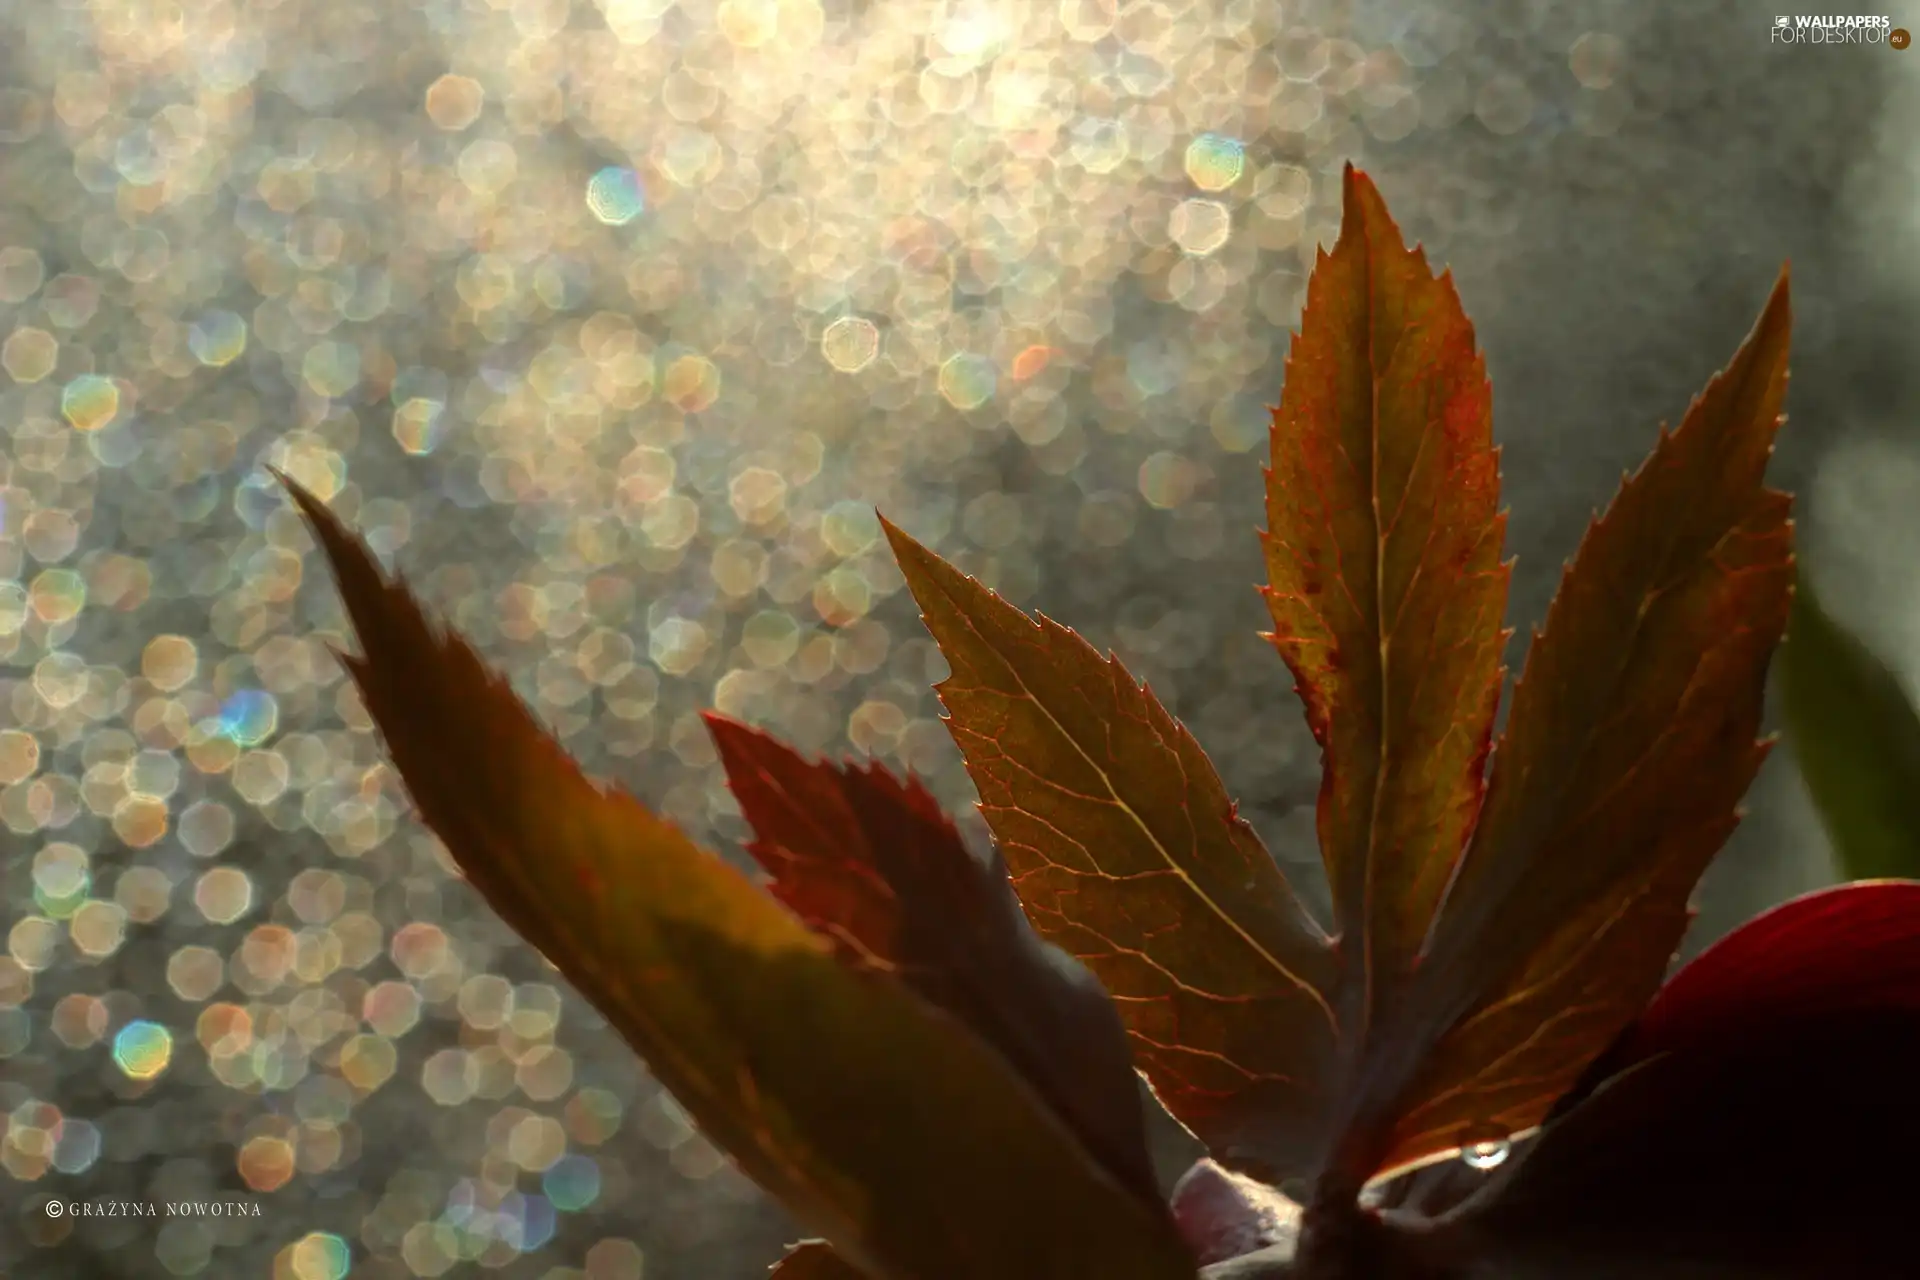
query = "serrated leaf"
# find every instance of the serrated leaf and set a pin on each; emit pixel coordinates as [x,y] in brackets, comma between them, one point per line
[879,1120]
[1755,1121]
[1386,589]
[1856,737]
[1385,582]
[870,860]
[1631,740]
[1127,853]
[814,1260]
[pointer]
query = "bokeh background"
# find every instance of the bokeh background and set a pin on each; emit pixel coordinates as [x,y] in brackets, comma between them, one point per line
[611,322]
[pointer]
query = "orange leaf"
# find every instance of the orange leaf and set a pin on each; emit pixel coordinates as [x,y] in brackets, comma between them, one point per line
[1386,589]
[1383,555]
[1631,741]
[1127,853]
[881,1121]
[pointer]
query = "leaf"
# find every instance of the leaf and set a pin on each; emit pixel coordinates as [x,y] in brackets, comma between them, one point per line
[871,861]
[1127,853]
[1857,740]
[1756,1120]
[814,1260]
[948,1166]
[1631,739]
[1386,587]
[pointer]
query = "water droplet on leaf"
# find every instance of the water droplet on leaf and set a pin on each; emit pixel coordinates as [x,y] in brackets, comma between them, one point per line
[1486,1155]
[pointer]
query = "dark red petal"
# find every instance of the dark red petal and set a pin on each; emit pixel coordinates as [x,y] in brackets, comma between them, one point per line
[1758,1119]
[1851,948]
[1780,1157]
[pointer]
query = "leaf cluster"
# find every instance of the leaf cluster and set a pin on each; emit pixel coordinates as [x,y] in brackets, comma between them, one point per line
[929,1053]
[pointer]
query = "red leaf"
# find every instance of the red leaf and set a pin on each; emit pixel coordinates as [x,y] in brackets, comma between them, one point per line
[871,861]
[809,839]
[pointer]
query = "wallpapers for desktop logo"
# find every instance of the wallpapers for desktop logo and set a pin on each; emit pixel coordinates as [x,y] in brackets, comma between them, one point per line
[1808,28]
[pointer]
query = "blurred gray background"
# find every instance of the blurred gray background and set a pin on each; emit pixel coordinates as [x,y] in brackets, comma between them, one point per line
[610,321]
